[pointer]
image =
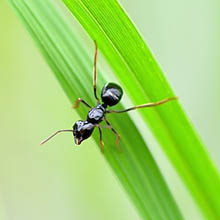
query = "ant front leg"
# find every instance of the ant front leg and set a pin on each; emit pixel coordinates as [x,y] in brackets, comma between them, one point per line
[78,102]
[95,72]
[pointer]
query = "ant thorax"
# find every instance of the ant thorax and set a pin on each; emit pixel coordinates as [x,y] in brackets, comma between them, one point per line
[96,115]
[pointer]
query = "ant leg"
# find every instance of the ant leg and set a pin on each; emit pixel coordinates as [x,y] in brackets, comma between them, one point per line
[78,102]
[95,72]
[115,132]
[151,104]
[100,139]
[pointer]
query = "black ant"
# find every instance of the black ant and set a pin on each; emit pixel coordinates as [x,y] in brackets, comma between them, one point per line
[111,95]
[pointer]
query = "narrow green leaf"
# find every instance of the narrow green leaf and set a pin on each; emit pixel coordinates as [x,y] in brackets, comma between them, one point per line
[140,74]
[135,167]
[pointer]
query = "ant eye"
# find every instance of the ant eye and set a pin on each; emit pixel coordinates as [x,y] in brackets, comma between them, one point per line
[78,125]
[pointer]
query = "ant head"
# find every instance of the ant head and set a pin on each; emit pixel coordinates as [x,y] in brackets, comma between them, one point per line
[81,131]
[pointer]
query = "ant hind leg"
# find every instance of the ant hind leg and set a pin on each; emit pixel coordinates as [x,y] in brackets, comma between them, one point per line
[151,104]
[95,72]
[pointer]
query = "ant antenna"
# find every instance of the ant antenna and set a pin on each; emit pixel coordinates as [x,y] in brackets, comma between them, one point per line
[57,132]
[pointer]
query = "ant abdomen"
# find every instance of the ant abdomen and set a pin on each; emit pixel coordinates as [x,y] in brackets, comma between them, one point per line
[111,94]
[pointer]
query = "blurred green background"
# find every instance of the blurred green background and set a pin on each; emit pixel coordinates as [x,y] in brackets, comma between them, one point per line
[61,181]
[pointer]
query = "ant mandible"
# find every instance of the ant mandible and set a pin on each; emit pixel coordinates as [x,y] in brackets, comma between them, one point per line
[111,95]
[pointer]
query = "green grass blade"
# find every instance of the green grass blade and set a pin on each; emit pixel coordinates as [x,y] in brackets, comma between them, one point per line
[135,167]
[138,72]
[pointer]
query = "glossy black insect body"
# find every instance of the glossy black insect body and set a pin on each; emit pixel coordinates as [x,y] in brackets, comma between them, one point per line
[111,95]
